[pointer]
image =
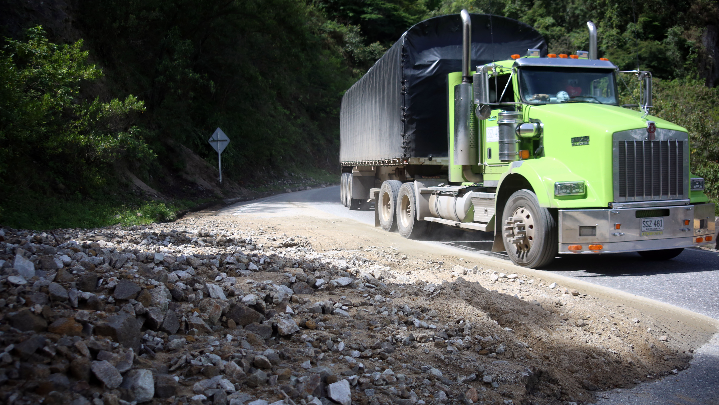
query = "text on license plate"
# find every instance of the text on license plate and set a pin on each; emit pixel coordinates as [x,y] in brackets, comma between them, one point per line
[652,226]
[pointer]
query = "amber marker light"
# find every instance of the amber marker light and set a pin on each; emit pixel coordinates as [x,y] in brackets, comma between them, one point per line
[708,238]
[563,55]
[574,248]
[604,59]
[617,226]
[552,55]
[686,222]
[524,154]
[699,240]
[516,56]
[574,56]
[596,247]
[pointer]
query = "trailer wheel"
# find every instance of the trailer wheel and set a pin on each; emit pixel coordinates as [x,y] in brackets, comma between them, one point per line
[347,189]
[387,203]
[664,254]
[343,181]
[407,223]
[529,232]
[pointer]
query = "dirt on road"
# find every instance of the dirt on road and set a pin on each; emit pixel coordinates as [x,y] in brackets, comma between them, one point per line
[255,309]
[502,333]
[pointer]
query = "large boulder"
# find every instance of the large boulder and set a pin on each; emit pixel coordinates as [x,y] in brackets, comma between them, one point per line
[243,315]
[123,329]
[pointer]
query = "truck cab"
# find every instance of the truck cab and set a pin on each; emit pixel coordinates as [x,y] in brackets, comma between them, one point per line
[611,179]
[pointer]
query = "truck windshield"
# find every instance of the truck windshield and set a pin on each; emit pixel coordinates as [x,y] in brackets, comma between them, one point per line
[551,85]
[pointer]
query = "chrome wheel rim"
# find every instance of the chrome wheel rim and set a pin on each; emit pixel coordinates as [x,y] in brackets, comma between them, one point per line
[386,206]
[405,211]
[519,229]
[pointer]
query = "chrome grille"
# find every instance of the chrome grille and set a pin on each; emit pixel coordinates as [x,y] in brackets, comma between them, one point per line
[647,170]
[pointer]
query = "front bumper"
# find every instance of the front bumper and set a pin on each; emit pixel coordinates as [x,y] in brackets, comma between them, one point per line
[619,230]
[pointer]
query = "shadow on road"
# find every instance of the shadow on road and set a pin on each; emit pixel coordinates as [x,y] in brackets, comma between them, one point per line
[631,264]
[604,265]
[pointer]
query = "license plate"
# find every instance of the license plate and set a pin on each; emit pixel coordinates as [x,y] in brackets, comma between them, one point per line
[652,226]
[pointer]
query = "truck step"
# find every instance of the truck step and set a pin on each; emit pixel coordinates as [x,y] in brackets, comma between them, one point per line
[475,226]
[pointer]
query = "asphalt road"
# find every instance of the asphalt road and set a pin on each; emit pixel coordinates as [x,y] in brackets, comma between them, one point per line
[689,281]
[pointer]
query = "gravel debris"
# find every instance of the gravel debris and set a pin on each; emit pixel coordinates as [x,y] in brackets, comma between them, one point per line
[208,310]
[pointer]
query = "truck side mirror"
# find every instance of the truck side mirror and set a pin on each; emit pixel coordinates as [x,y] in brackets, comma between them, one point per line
[646,78]
[483,112]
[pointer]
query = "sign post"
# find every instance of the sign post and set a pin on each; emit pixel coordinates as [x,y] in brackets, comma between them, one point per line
[219,141]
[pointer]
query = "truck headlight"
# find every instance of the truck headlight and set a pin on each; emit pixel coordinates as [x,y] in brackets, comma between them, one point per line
[697,184]
[569,188]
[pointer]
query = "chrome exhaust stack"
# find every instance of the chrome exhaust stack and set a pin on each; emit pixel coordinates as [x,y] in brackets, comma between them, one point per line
[466,151]
[466,45]
[592,40]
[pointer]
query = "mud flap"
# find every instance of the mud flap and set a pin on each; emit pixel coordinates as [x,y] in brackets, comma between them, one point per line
[374,196]
[498,245]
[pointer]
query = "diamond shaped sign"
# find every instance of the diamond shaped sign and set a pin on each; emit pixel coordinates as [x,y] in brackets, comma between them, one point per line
[219,140]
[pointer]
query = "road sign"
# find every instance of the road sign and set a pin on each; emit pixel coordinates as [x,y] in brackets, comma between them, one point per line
[219,141]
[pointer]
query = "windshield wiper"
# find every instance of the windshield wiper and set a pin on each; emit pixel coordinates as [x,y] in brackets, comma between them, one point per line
[584,97]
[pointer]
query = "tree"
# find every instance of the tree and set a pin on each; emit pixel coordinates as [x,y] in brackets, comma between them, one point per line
[46,124]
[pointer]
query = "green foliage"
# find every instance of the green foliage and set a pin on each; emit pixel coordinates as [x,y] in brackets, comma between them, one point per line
[45,124]
[29,210]
[694,106]
[349,39]
[663,36]
[382,21]
[269,73]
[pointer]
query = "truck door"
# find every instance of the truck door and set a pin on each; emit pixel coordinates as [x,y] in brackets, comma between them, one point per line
[489,131]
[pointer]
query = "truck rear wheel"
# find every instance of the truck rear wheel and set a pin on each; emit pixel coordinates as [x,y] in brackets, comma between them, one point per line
[664,254]
[407,223]
[343,194]
[347,189]
[387,203]
[529,232]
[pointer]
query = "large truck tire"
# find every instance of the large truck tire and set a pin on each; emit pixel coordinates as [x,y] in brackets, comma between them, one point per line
[407,223]
[529,231]
[343,180]
[664,254]
[346,188]
[387,203]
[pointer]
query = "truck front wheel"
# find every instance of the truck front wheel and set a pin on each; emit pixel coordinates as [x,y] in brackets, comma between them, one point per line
[664,254]
[529,232]
[387,203]
[407,223]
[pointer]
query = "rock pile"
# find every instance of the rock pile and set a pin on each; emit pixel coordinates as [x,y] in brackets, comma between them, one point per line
[201,312]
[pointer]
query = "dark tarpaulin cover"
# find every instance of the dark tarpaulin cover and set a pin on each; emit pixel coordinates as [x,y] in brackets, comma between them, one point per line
[398,109]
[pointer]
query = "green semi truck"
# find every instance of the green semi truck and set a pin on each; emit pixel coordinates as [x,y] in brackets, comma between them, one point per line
[531,146]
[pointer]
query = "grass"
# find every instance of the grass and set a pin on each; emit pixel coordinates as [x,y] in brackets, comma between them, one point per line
[44,213]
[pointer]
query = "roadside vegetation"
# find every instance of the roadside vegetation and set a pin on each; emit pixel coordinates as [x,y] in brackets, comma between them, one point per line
[155,74]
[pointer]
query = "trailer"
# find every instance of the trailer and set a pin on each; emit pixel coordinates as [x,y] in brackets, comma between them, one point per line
[531,146]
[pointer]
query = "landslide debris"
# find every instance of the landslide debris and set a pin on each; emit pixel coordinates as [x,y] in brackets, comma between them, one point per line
[219,311]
